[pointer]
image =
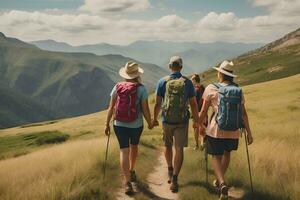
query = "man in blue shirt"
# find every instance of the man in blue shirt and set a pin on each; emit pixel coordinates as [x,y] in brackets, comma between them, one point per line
[175,133]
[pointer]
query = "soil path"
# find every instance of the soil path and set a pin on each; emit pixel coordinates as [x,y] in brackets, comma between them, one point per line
[158,187]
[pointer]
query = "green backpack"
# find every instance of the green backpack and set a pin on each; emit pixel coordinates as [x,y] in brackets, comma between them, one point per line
[175,106]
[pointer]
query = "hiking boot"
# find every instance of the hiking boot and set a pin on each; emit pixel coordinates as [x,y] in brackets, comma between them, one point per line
[223,191]
[216,183]
[196,147]
[128,189]
[174,185]
[202,147]
[133,176]
[170,174]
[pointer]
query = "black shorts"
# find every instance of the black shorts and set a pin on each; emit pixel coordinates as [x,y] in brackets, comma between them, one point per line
[217,146]
[128,136]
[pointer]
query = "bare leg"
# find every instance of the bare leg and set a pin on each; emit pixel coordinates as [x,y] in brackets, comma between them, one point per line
[124,162]
[217,166]
[169,155]
[178,159]
[132,156]
[225,161]
[196,136]
[202,142]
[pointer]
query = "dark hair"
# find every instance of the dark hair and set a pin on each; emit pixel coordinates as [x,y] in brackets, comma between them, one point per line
[196,77]
[176,65]
[227,78]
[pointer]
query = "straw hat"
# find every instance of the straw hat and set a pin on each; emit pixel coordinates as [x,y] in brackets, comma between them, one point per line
[131,70]
[226,68]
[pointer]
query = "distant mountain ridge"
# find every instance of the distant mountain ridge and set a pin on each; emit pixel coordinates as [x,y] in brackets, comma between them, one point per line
[158,52]
[275,60]
[66,84]
[290,39]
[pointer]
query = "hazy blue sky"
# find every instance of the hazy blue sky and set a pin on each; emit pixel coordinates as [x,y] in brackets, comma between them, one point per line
[125,21]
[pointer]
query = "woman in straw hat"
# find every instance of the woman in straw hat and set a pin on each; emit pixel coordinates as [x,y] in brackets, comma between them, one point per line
[220,142]
[128,105]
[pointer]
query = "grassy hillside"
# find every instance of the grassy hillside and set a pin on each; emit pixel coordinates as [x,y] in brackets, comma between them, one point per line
[276,60]
[69,84]
[16,109]
[52,79]
[75,173]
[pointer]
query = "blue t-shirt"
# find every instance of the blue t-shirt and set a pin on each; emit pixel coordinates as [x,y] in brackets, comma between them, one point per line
[189,90]
[142,95]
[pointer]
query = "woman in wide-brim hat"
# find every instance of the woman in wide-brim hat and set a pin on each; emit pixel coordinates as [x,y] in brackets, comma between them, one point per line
[220,143]
[128,105]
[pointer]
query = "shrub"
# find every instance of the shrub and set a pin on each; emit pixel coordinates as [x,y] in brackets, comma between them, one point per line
[51,137]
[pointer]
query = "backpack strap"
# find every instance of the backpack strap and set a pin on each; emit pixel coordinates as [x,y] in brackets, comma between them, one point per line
[217,85]
[184,77]
[167,78]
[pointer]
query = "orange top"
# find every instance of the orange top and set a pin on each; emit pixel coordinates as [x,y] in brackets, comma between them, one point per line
[211,96]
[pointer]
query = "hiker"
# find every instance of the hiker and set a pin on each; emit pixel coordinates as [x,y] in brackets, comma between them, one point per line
[173,94]
[199,89]
[229,115]
[128,104]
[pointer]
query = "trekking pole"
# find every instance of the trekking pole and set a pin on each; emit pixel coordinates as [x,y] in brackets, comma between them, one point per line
[248,158]
[106,154]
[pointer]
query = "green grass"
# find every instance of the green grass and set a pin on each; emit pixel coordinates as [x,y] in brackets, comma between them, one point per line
[13,146]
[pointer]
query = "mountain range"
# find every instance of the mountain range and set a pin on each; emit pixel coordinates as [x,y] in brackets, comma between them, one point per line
[38,85]
[197,57]
[65,84]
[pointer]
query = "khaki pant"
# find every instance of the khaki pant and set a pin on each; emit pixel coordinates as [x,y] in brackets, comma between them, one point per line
[177,134]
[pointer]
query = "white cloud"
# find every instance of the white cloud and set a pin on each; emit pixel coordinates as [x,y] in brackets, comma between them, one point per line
[280,7]
[114,6]
[172,21]
[82,28]
[223,21]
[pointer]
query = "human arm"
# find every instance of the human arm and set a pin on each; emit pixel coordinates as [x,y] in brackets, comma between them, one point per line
[146,113]
[202,116]
[246,124]
[194,109]
[110,112]
[157,107]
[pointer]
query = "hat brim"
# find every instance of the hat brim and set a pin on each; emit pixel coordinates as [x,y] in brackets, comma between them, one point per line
[122,73]
[225,72]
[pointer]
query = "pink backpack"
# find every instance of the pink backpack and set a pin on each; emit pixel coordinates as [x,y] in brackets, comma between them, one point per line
[125,107]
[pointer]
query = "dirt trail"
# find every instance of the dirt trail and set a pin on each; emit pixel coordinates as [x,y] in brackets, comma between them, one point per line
[157,181]
[159,189]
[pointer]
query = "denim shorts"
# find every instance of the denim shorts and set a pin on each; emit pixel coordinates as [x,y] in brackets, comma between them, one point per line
[128,136]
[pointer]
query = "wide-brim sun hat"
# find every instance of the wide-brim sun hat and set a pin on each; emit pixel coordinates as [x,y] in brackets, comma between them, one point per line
[226,68]
[131,70]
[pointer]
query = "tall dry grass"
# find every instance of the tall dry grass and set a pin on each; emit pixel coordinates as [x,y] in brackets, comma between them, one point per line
[72,126]
[274,113]
[69,171]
